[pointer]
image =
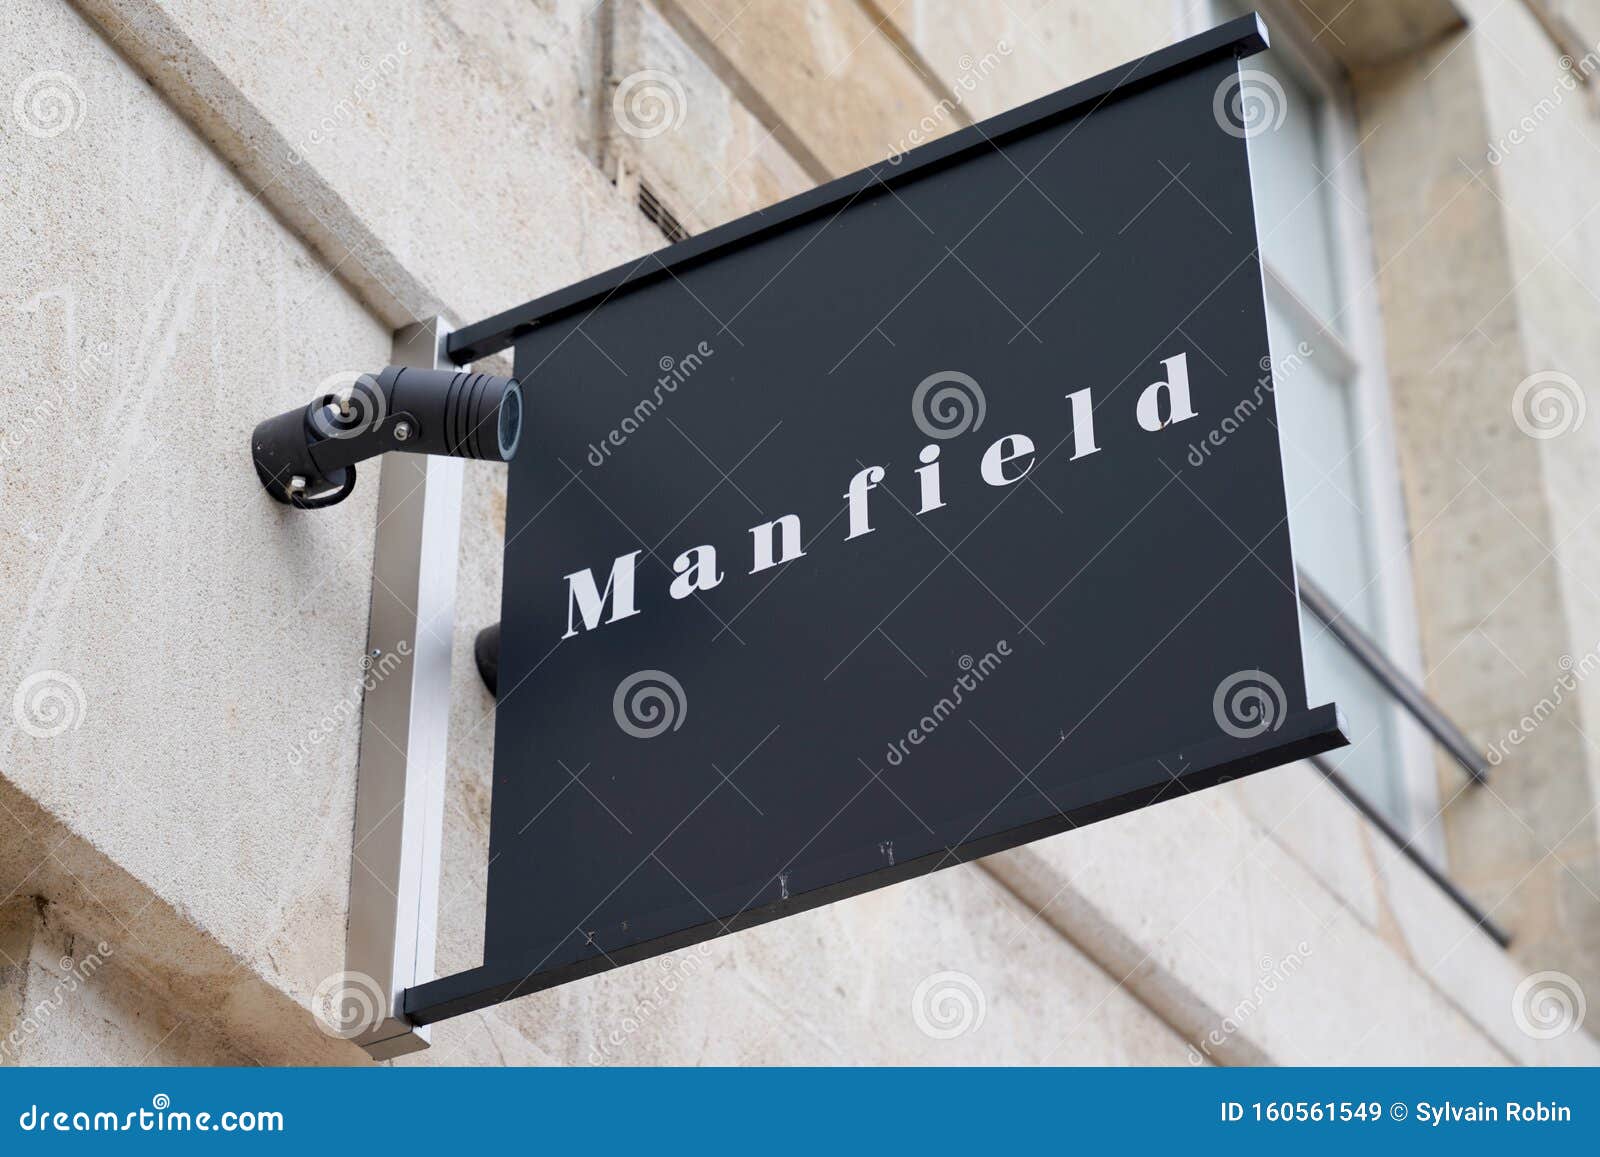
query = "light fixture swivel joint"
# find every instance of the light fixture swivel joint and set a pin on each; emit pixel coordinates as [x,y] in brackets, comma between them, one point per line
[307,457]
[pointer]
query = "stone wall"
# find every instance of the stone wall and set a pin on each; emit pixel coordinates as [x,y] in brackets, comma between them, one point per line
[210,209]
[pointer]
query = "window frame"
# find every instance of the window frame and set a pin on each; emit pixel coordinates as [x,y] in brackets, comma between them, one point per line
[1358,346]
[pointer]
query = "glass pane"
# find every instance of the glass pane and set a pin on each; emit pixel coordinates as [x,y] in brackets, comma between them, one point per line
[1323,447]
[1321,468]
[1288,161]
[1371,762]
[1322,450]
[1293,211]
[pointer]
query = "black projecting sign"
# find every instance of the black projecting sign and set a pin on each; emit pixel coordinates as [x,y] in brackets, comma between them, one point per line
[863,536]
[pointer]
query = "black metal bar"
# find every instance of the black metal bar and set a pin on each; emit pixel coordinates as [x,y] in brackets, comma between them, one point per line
[1302,735]
[1244,36]
[1412,697]
[1378,820]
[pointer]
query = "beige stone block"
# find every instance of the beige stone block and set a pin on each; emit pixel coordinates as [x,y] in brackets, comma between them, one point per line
[202,639]
[667,113]
[396,146]
[992,55]
[543,48]
[873,979]
[1315,825]
[1479,977]
[77,1005]
[163,956]
[1469,235]
[846,93]
[1243,936]
[1365,32]
[155,590]
[1572,26]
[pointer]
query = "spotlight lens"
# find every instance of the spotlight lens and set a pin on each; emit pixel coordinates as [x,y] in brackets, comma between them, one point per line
[510,421]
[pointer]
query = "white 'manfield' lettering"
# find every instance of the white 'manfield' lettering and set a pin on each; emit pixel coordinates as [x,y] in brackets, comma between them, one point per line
[856,496]
[1176,387]
[1007,460]
[1011,448]
[696,569]
[763,542]
[589,601]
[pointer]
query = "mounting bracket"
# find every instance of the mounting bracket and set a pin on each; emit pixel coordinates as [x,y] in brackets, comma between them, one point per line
[399,822]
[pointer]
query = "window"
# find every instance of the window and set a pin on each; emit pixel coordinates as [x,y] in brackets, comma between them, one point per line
[1345,510]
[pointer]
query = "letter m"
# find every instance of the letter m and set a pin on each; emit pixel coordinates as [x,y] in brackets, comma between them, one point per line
[589,601]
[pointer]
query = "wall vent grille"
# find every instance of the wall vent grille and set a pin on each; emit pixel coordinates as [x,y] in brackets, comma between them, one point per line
[659,215]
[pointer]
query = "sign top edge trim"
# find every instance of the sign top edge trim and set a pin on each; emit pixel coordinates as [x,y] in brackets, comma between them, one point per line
[1241,37]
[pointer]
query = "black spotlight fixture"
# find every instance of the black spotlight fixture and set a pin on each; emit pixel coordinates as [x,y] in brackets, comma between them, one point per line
[307,457]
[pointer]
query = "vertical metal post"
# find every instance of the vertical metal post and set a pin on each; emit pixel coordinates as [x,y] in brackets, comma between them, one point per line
[394,864]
